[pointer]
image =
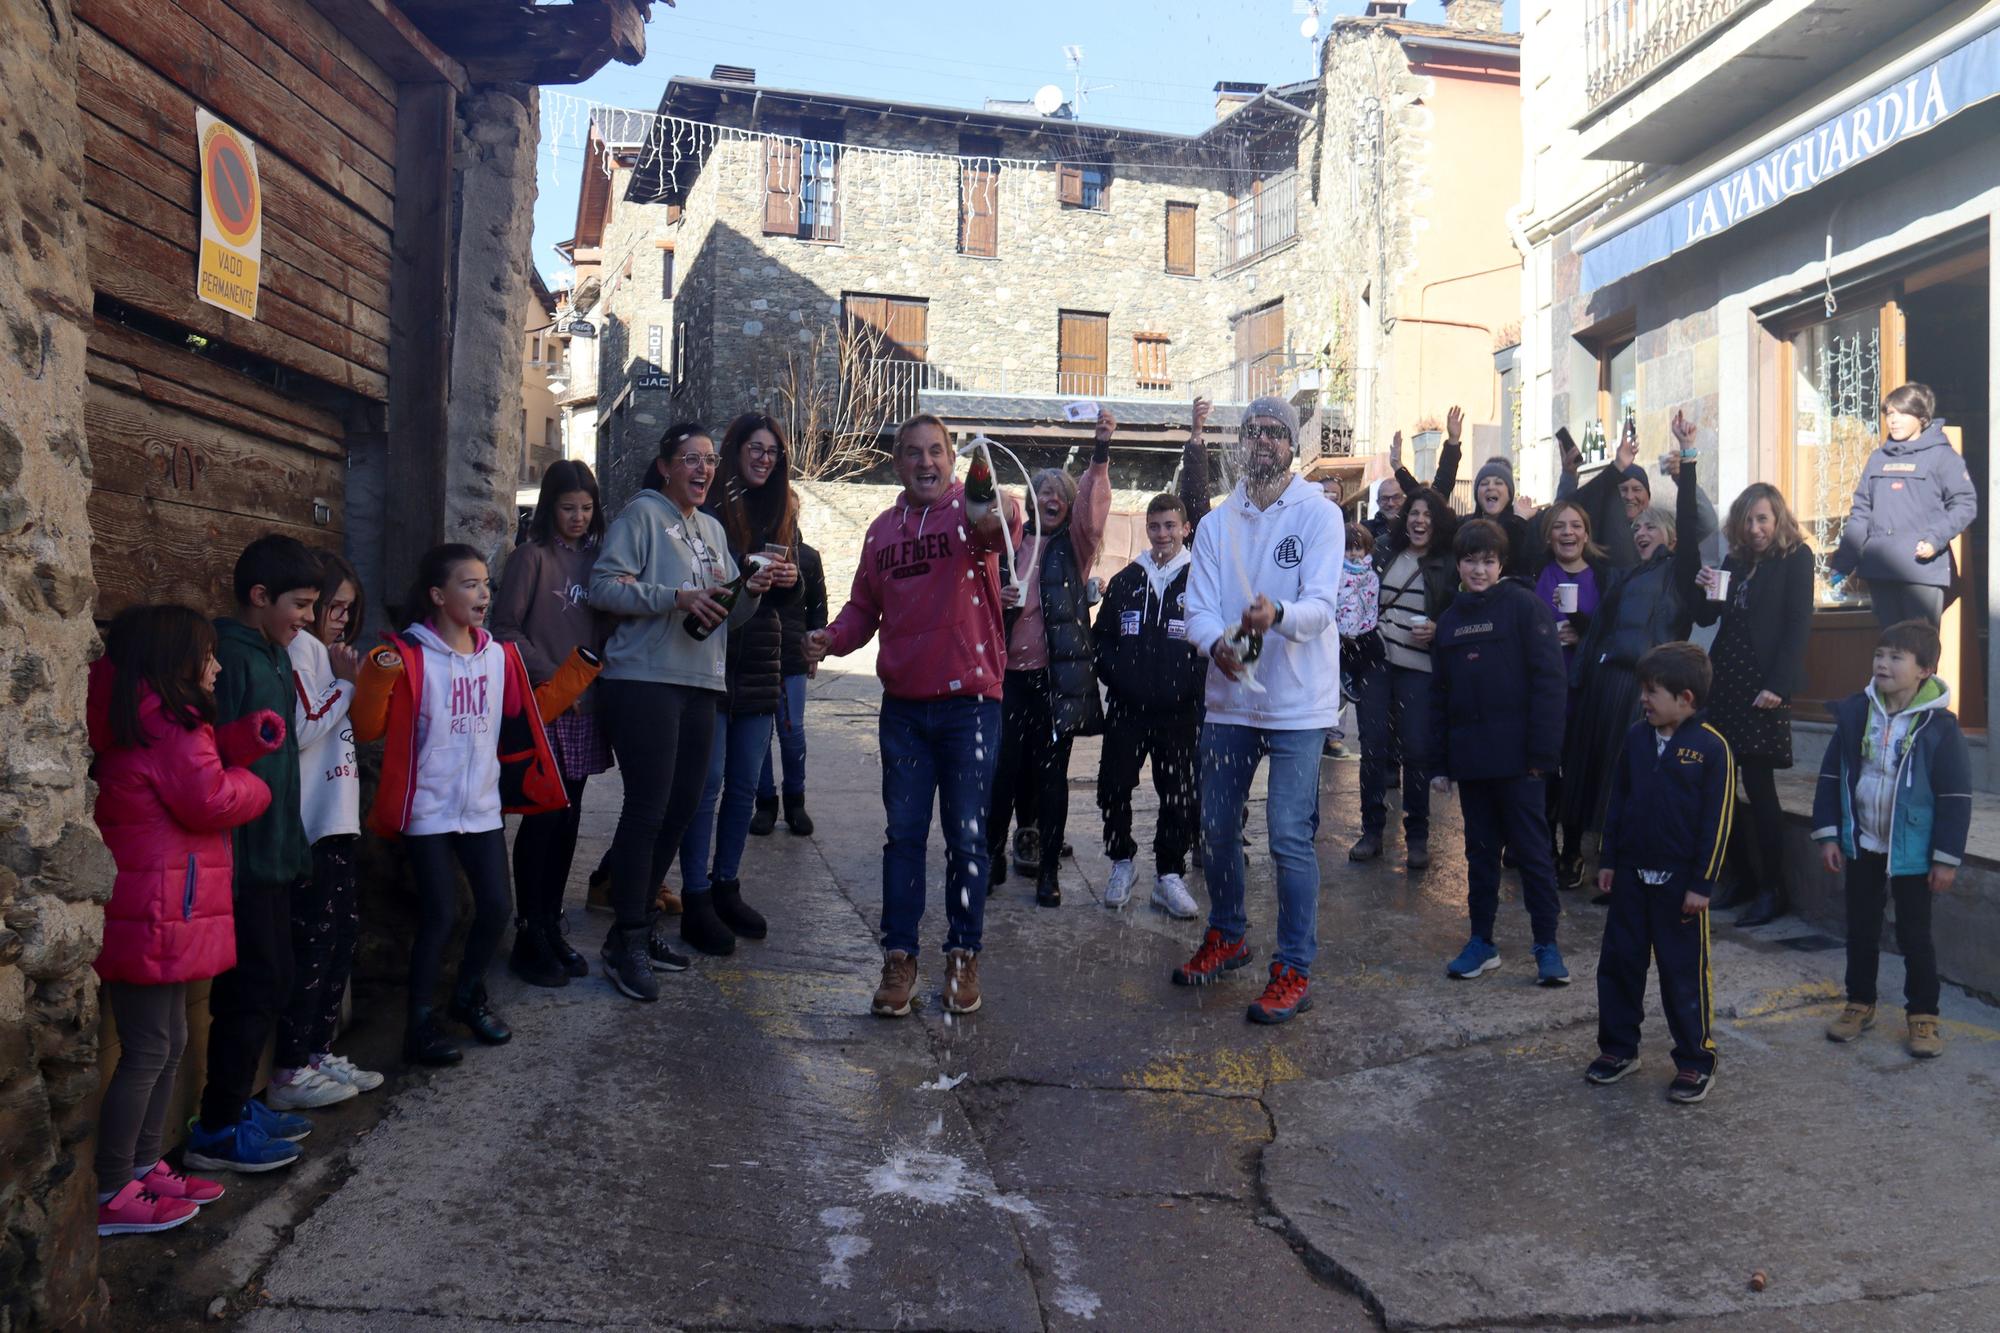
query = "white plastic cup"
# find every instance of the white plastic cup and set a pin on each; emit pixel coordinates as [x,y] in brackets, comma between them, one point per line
[1419,620]
[1718,591]
[1566,598]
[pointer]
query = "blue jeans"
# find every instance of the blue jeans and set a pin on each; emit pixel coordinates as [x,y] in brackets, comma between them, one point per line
[728,799]
[1229,758]
[936,752]
[791,742]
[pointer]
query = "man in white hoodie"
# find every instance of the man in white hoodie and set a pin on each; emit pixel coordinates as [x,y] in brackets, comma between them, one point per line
[1262,592]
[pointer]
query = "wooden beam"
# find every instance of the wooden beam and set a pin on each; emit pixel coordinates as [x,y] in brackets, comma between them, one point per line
[515,41]
[419,326]
[385,35]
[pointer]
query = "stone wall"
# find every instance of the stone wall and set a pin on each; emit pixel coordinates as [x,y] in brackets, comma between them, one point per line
[53,870]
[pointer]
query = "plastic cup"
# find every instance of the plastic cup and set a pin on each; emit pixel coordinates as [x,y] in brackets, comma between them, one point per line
[1566,598]
[1718,591]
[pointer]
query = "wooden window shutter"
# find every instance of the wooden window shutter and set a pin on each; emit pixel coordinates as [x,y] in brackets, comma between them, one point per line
[1069,183]
[1149,361]
[1180,239]
[979,208]
[781,187]
[1082,352]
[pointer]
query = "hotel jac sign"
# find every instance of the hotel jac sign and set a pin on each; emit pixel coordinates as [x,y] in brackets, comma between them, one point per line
[1919,102]
[232,218]
[653,376]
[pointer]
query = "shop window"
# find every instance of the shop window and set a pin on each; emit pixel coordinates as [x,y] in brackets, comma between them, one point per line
[1836,422]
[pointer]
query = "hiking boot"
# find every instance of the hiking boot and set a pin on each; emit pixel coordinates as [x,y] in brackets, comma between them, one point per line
[796,819]
[1608,1069]
[961,981]
[1690,1086]
[1366,848]
[1925,1041]
[424,1043]
[1215,956]
[469,1006]
[899,984]
[1549,969]
[168,1183]
[1854,1020]
[741,918]
[306,1088]
[1170,895]
[137,1209]
[1118,889]
[1475,959]
[555,929]
[532,959]
[1288,993]
[626,965]
[1416,853]
[703,930]
[1048,890]
[766,817]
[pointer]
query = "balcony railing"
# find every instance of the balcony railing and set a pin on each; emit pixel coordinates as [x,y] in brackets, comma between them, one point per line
[1626,40]
[1262,222]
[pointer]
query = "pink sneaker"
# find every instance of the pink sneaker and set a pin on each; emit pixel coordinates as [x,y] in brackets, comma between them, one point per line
[136,1209]
[168,1183]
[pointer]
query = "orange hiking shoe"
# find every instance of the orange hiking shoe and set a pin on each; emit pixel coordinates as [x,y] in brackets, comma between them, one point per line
[1288,993]
[1215,956]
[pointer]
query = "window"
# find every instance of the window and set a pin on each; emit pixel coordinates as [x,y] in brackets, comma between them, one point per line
[896,328]
[1617,386]
[1262,221]
[1084,185]
[1260,350]
[1149,361]
[666,273]
[802,182]
[978,195]
[1180,239]
[551,438]
[1082,353]
[1836,399]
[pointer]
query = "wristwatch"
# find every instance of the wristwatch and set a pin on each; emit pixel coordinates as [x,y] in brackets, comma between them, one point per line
[1278,615]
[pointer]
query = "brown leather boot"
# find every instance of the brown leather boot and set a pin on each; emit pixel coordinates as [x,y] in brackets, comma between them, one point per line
[961,981]
[899,983]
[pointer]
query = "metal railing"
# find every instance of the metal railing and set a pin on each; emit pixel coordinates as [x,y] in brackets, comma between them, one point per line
[1626,40]
[1261,223]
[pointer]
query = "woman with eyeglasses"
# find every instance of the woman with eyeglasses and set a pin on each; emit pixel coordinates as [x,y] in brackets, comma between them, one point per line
[664,566]
[752,499]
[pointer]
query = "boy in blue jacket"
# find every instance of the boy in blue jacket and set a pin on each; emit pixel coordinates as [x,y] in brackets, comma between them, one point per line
[1673,795]
[1892,809]
[1498,690]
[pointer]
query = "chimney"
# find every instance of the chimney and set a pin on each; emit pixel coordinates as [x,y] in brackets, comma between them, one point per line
[733,74]
[1474,15]
[1229,96]
[1385,9]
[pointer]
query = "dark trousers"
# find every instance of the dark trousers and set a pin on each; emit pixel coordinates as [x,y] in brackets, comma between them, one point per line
[152,1033]
[1130,737]
[483,857]
[1395,720]
[1767,826]
[1031,756]
[1869,887]
[1897,602]
[1508,813]
[1646,919]
[243,1002]
[544,849]
[661,736]
[326,927]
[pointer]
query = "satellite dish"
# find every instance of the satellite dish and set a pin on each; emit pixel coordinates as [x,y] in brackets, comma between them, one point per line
[1048,99]
[1309,27]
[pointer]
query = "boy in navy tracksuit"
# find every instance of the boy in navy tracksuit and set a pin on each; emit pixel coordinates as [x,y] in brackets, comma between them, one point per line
[1892,810]
[1155,678]
[1673,795]
[1498,690]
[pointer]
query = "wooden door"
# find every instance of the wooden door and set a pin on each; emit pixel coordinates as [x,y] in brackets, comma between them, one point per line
[1180,239]
[1082,353]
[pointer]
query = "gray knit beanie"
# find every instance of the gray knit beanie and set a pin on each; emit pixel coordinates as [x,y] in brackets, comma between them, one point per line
[1496,467]
[1270,405]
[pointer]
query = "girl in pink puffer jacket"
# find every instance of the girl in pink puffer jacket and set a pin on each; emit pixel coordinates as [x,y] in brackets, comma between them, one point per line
[169,790]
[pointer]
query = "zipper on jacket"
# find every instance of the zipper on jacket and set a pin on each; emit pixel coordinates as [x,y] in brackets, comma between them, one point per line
[187,892]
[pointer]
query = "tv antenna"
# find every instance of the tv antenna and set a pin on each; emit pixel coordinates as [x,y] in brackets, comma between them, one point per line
[1082,91]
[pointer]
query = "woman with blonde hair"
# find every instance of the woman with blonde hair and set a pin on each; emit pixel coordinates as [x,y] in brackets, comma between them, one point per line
[1763,595]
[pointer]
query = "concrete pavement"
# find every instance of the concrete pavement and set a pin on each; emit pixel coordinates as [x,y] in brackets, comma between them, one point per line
[1099,1149]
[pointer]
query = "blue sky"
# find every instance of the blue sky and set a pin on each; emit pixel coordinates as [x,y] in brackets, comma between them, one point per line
[1162,57]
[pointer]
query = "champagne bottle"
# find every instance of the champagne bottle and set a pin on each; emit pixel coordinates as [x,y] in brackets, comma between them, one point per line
[727,595]
[980,493]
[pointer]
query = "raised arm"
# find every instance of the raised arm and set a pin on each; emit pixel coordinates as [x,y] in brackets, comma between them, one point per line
[1194,467]
[1093,497]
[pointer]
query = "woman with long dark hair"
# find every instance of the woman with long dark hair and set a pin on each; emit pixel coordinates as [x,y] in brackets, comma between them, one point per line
[753,500]
[543,608]
[1763,595]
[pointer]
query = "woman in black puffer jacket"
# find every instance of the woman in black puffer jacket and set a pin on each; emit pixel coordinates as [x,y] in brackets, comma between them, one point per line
[752,497]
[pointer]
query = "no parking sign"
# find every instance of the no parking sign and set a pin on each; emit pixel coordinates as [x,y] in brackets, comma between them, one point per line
[232,218]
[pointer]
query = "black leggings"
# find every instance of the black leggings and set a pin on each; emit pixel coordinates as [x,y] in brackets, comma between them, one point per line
[661,735]
[483,856]
[1767,827]
[544,848]
[1033,772]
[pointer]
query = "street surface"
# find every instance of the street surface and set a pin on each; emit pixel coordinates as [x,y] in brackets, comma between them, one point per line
[1097,1149]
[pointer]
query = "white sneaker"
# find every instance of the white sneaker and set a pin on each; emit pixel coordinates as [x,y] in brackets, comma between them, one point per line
[341,1068]
[1170,895]
[308,1088]
[1119,891]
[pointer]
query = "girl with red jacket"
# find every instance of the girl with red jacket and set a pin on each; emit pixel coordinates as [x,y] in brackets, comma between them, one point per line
[170,787]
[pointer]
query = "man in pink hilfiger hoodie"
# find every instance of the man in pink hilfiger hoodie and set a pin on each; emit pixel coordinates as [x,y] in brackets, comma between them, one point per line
[929,581]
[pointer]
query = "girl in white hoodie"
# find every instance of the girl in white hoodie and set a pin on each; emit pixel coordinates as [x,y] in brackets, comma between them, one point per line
[326,913]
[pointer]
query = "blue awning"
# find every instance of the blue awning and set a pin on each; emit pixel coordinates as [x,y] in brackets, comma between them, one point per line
[1868,126]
